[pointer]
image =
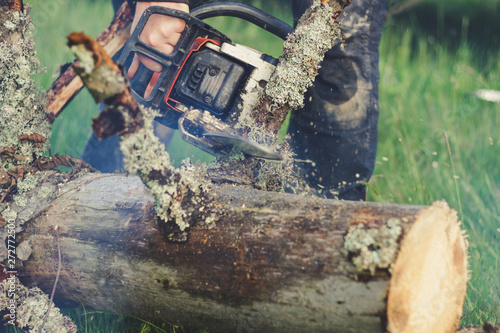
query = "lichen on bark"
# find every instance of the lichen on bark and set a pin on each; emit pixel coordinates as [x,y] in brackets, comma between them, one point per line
[303,51]
[24,137]
[296,71]
[22,109]
[176,191]
[24,131]
[31,305]
[373,248]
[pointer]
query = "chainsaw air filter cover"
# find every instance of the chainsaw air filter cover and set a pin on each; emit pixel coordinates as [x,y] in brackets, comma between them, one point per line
[208,81]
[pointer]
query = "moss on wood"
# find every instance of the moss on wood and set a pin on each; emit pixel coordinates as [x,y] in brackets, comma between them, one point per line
[22,110]
[24,131]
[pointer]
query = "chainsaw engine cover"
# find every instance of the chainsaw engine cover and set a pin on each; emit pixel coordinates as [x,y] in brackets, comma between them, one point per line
[210,81]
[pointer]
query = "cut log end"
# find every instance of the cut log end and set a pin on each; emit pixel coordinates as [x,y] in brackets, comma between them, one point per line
[429,280]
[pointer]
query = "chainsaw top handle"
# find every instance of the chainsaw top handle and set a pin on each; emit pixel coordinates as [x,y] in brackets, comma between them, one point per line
[246,12]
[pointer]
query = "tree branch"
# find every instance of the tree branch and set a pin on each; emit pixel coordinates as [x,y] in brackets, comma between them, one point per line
[303,51]
[68,84]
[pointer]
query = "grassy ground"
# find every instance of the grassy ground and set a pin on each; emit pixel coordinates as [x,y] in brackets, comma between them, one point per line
[436,140]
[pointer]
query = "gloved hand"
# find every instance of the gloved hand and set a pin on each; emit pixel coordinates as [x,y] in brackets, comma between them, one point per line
[160,32]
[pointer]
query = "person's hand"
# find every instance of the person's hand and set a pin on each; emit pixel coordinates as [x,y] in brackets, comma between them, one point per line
[161,32]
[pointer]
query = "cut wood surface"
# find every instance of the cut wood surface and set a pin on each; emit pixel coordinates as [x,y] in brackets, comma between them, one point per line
[268,263]
[68,85]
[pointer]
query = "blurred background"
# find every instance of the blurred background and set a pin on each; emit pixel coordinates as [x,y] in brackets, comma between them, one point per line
[437,139]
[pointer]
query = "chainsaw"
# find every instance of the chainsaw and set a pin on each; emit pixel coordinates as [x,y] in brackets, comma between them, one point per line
[207,81]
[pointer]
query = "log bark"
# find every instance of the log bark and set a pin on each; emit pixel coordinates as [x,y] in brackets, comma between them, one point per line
[68,84]
[270,263]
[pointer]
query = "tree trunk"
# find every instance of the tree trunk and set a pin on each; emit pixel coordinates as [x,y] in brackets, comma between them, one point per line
[271,263]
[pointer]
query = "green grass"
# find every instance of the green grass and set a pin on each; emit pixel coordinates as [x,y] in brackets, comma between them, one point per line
[99,322]
[428,73]
[426,91]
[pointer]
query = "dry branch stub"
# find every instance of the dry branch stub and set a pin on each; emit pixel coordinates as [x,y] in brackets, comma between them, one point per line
[13,5]
[269,262]
[68,84]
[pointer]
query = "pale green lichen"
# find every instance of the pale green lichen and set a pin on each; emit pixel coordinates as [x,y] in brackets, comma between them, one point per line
[21,200]
[145,155]
[304,49]
[44,191]
[9,214]
[9,25]
[27,184]
[31,305]
[21,109]
[373,248]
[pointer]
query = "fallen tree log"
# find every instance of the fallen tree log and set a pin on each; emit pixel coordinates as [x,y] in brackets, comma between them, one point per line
[270,263]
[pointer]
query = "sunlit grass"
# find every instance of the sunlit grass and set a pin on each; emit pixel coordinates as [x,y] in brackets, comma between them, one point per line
[426,99]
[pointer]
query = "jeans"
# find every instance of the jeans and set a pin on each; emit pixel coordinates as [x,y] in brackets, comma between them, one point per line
[335,134]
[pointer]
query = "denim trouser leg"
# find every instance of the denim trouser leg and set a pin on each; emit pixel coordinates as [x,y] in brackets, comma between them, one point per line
[337,128]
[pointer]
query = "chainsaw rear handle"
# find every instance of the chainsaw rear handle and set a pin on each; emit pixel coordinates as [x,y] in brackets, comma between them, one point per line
[245,12]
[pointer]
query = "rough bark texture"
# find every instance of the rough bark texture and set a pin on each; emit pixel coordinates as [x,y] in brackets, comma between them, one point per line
[303,51]
[270,263]
[24,135]
[68,85]
[21,110]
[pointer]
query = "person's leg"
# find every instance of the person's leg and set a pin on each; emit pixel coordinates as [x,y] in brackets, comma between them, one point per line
[337,128]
